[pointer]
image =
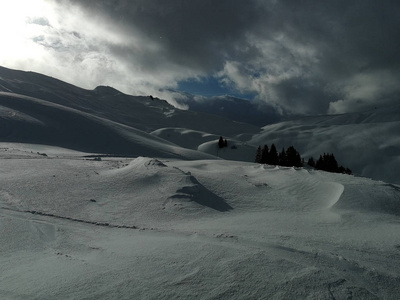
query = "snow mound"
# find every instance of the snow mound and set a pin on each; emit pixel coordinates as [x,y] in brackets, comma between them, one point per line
[193,193]
[184,137]
[142,163]
[155,163]
[160,190]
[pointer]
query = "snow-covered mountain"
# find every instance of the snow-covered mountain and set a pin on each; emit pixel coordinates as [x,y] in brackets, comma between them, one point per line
[141,112]
[110,196]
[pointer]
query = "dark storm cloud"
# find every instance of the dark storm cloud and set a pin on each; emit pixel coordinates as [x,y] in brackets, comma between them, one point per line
[197,34]
[316,52]
[300,56]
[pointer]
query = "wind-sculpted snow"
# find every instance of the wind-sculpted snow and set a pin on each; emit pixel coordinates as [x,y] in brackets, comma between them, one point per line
[193,191]
[141,191]
[172,189]
[162,229]
[376,197]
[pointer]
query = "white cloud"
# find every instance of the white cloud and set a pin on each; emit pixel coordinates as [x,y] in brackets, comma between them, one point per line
[365,90]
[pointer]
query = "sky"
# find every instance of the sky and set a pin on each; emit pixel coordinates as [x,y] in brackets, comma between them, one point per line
[296,56]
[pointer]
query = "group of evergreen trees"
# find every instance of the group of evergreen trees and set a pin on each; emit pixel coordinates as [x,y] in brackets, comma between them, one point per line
[270,156]
[222,142]
[327,162]
[292,158]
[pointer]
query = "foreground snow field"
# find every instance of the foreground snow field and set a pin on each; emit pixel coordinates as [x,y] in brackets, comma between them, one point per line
[76,227]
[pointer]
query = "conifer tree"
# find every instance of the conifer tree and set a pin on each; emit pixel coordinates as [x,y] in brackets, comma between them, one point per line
[293,157]
[221,142]
[273,156]
[259,155]
[264,155]
[283,158]
[332,163]
[311,162]
[320,162]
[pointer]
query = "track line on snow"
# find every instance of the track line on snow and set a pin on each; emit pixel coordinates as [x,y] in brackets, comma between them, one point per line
[103,224]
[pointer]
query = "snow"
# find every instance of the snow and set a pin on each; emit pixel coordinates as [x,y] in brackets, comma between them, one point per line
[37,121]
[368,143]
[157,228]
[236,150]
[184,137]
[92,207]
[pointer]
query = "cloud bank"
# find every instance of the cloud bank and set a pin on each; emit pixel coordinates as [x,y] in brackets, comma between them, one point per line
[299,57]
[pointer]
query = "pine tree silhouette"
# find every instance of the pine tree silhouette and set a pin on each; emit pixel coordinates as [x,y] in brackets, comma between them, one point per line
[259,155]
[293,157]
[265,154]
[221,142]
[273,156]
[283,158]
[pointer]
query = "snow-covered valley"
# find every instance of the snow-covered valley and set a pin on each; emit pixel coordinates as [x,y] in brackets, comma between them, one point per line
[93,206]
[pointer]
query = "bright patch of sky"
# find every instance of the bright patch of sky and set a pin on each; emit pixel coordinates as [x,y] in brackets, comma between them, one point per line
[211,87]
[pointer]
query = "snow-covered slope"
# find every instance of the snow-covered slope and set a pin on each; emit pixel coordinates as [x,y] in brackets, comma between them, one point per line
[236,150]
[29,120]
[74,227]
[208,143]
[141,112]
[184,137]
[368,143]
